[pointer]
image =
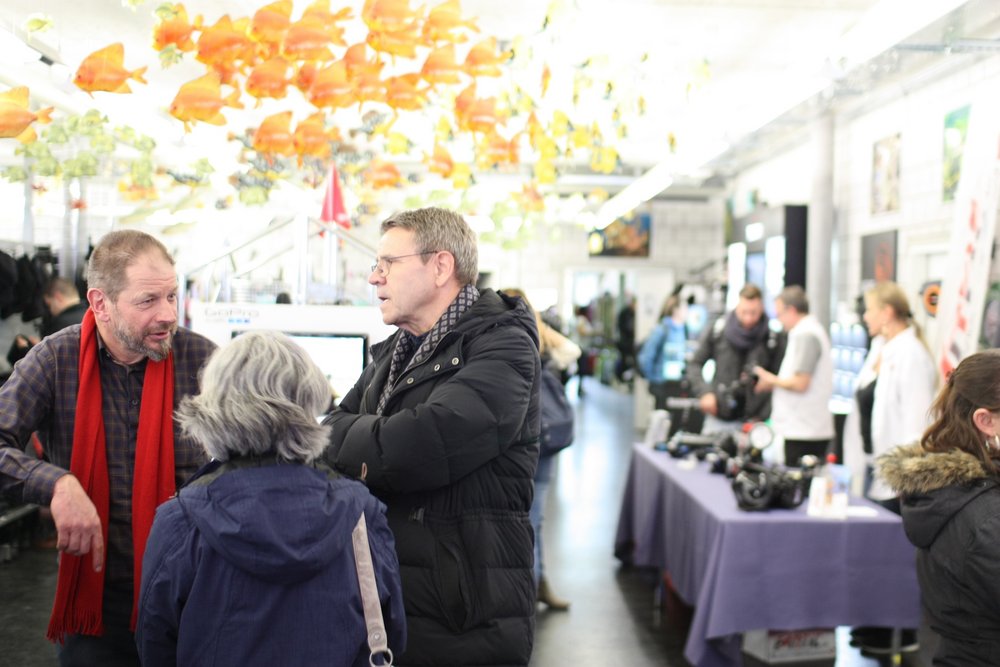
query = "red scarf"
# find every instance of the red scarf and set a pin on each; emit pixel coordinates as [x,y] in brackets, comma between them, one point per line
[79,591]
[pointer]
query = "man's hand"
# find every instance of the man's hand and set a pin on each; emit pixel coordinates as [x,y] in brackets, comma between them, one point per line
[708,404]
[77,523]
[766,380]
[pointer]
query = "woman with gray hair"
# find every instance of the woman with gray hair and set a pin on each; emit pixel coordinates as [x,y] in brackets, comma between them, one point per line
[252,562]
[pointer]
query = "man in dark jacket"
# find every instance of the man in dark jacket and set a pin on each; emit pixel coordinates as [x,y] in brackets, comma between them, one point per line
[736,342]
[443,425]
[62,300]
[64,305]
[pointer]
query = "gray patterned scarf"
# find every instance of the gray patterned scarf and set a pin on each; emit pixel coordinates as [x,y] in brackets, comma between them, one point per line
[466,297]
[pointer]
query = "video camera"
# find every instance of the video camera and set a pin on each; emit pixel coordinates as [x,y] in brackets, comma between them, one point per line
[731,399]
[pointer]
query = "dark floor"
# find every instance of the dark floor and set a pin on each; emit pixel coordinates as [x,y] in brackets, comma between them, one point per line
[613,619]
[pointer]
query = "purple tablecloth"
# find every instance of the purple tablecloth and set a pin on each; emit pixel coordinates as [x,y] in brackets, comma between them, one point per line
[778,569]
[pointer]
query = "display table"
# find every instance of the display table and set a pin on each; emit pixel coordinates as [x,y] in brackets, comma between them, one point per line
[778,569]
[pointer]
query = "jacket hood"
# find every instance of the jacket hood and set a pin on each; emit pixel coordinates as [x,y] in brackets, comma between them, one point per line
[497,309]
[281,523]
[934,486]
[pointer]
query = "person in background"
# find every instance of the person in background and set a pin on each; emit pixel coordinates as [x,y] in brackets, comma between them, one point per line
[900,412]
[907,379]
[557,353]
[62,301]
[625,341]
[283,297]
[735,343]
[803,385]
[661,358]
[102,394]
[583,331]
[64,305]
[445,422]
[262,535]
[858,425]
[948,485]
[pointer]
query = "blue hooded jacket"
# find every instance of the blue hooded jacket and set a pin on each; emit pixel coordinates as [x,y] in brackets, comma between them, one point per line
[253,564]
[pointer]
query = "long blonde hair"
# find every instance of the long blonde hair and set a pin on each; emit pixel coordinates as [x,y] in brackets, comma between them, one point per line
[546,334]
[888,293]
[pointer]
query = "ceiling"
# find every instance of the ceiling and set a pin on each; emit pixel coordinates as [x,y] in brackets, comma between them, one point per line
[693,81]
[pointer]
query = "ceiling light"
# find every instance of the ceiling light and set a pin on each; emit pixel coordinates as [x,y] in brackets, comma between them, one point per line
[642,189]
[882,27]
[15,52]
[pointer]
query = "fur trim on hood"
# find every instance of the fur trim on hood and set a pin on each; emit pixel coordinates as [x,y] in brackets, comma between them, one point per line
[910,470]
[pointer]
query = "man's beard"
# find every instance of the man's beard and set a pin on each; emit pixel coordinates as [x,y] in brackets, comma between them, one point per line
[135,343]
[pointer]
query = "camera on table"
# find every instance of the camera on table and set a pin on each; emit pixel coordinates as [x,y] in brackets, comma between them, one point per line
[731,399]
[684,443]
[761,487]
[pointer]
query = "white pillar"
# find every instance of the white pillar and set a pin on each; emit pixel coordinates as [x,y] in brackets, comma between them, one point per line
[819,237]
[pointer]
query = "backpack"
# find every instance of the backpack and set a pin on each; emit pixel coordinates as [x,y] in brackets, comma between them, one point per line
[557,416]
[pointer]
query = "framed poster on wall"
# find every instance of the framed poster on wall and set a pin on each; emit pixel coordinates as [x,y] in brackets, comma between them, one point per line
[885,174]
[625,237]
[878,257]
[956,127]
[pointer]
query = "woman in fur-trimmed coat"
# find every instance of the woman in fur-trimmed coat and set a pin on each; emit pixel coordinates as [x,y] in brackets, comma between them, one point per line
[949,487]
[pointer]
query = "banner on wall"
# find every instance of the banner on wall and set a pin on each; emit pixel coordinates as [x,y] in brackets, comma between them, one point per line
[966,281]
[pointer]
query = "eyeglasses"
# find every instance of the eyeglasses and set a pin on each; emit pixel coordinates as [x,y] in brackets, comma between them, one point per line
[383,264]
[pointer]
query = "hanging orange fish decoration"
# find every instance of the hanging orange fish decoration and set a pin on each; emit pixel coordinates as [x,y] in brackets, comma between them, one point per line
[174,29]
[483,116]
[331,87]
[369,88]
[201,100]
[443,21]
[389,15]
[16,118]
[403,92]
[274,136]
[310,40]
[494,150]
[311,138]
[440,162]
[103,70]
[440,66]
[530,199]
[546,78]
[226,42]
[356,59]
[305,76]
[270,23]
[319,12]
[483,59]
[463,102]
[401,43]
[461,177]
[268,79]
[381,174]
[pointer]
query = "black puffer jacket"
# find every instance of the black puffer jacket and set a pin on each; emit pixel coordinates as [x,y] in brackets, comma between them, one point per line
[453,456]
[951,513]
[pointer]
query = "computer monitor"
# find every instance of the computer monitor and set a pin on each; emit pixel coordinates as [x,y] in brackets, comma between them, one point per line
[341,356]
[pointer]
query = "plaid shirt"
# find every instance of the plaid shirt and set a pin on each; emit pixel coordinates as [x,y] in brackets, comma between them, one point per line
[41,396]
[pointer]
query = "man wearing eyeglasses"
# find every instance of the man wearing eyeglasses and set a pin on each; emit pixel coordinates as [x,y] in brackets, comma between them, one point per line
[443,426]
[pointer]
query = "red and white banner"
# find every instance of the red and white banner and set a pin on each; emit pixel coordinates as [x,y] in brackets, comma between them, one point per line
[333,202]
[966,280]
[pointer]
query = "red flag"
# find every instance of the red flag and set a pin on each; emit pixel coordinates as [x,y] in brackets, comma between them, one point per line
[333,202]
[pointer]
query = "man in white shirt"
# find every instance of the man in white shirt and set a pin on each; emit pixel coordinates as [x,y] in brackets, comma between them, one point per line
[800,411]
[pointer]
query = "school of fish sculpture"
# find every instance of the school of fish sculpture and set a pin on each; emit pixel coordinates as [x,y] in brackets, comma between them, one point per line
[411,58]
